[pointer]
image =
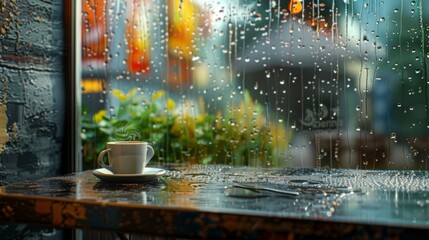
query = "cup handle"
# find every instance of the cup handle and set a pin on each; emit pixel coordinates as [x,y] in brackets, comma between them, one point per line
[150,153]
[101,160]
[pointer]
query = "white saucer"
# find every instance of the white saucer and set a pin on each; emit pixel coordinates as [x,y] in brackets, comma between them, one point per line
[149,174]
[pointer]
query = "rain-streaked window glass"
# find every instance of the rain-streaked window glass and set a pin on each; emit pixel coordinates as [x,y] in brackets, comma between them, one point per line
[295,83]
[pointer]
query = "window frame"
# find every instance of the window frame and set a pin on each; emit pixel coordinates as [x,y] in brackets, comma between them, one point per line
[72,145]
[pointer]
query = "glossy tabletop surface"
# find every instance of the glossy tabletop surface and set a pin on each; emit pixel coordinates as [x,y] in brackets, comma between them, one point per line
[223,202]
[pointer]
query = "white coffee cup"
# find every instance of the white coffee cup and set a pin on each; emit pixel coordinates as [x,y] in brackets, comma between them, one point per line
[126,157]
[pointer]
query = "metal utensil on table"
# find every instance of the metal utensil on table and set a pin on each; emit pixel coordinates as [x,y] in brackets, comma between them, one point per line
[258,189]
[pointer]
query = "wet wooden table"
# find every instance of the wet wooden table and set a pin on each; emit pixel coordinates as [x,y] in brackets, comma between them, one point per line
[203,202]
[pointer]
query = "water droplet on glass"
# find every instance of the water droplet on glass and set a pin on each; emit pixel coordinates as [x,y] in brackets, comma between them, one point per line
[256,86]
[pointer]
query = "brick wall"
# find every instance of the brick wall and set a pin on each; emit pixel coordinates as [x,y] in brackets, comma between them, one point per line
[32,95]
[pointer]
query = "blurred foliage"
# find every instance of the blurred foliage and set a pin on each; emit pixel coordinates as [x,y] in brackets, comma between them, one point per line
[241,135]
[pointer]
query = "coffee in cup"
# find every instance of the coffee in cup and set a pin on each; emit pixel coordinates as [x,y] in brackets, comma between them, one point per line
[126,157]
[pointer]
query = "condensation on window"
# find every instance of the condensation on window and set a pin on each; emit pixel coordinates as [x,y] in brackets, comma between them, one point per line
[293,83]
